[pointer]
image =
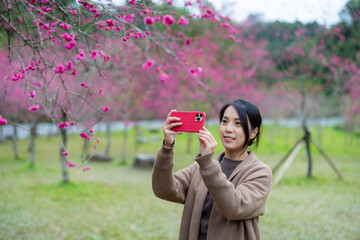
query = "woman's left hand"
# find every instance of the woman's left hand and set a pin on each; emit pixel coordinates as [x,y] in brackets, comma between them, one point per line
[207,142]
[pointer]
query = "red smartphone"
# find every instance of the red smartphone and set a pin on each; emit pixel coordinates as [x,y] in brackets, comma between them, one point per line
[191,121]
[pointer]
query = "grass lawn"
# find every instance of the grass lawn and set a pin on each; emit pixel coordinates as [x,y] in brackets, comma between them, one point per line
[115,201]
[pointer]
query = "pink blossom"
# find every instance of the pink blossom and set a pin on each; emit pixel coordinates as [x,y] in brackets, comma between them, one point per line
[101,91]
[188,3]
[183,21]
[59,68]
[91,130]
[67,37]
[149,20]
[168,20]
[148,33]
[97,15]
[3,121]
[84,135]
[148,64]
[69,66]
[65,153]
[17,76]
[72,123]
[188,41]
[93,10]
[34,108]
[86,169]
[81,54]
[106,58]
[70,164]
[163,77]
[105,108]
[83,84]
[64,25]
[231,37]
[98,140]
[93,54]
[70,45]
[31,94]
[95,147]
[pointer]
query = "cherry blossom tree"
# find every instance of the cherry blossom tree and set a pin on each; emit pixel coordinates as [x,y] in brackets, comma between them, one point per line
[65,41]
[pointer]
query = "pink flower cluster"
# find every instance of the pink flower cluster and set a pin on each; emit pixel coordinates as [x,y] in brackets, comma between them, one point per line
[83,84]
[31,94]
[163,77]
[66,124]
[34,108]
[183,21]
[64,25]
[148,64]
[73,12]
[90,7]
[72,165]
[20,74]
[60,68]
[149,20]
[3,121]
[84,135]
[45,9]
[105,108]
[81,55]
[195,71]
[168,20]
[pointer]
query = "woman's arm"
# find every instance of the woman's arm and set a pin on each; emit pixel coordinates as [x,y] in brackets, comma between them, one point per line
[166,184]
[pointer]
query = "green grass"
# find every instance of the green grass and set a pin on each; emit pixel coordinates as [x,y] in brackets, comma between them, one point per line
[115,201]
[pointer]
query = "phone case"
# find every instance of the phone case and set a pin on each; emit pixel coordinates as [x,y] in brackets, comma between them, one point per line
[191,121]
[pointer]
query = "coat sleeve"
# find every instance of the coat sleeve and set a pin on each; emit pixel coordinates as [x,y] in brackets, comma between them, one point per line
[244,201]
[166,184]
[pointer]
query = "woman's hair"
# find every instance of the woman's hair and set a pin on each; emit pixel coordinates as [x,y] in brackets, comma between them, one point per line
[246,111]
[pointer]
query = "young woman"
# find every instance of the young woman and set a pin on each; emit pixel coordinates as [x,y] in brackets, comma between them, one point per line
[222,198]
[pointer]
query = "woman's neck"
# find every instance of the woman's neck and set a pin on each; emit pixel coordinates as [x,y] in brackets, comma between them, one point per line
[236,155]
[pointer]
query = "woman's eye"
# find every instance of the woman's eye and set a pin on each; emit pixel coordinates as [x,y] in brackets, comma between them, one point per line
[238,123]
[224,121]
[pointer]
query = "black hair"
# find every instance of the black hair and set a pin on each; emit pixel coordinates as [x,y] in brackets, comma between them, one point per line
[246,111]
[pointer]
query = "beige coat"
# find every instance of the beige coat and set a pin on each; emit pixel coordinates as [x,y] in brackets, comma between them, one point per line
[238,201]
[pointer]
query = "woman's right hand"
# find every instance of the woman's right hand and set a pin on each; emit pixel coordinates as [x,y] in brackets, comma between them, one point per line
[169,135]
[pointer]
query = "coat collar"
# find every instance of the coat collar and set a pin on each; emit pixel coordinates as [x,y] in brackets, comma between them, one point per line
[246,162]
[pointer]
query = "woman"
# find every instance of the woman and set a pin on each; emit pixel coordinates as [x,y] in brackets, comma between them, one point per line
[222,198]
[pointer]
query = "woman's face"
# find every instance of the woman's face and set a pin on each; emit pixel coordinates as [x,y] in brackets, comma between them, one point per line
[232,134]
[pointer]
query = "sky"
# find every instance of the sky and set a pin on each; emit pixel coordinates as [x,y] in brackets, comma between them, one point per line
[325,12]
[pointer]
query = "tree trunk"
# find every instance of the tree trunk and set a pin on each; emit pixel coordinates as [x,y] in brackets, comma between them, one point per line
[308,151]
[108,138]
[63,144]
[33,130]
[14,139]
[1,133]
[123,150]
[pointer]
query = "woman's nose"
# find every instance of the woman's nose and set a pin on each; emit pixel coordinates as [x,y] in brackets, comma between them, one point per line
[229,128]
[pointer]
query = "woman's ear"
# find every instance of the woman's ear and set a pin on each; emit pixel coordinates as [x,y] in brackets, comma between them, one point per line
[253,133]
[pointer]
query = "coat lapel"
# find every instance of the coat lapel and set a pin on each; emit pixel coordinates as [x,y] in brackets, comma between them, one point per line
[197,210]
[248,161]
